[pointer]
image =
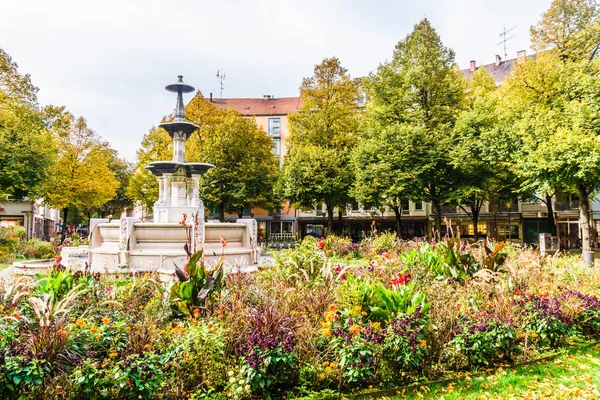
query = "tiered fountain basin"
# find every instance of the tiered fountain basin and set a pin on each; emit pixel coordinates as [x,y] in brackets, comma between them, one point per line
[160,246]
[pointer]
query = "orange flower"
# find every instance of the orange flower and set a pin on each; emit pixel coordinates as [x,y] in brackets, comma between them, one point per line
[128,328]
[105,321]
[58,389]
[322,376]
[80,322]
[423,343]
[354,329]
[518,292]
[184,218]
[223,241]
[113,354]
[62,333]
[147,347]
[332,308]
[329,316]
[326,332]
[328,369]
[98,337]
[17,315]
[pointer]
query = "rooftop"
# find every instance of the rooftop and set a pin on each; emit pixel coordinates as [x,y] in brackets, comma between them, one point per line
[499,70]
[267,105]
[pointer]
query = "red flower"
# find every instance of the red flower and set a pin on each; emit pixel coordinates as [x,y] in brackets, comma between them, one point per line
[400,279]
[321,244]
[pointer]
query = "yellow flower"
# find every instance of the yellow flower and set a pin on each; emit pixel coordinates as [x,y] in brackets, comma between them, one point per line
[322,376]
[423,343]
[247,388]
[354,329]
[326,332]
[325,324]
[328,370]
[98,337]
[332,308]
[333,365]
[356,309]
[128,328]
[534,334]
[377,325]
[113,354]
[329,316]
[147,346]
[1,308]
[93,329]
[140,307]
[325,363]
[364,313]
[80,322]
[105,321]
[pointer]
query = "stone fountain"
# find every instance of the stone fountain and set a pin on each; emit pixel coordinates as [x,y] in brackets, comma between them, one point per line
[178,216]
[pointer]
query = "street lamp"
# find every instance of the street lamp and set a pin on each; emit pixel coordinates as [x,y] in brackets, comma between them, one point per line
[509,206]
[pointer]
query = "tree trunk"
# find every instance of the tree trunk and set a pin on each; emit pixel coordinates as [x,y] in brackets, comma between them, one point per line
[222,212]
[475,221]
[64,227]
[550,218]
[584,218]
[329,219]
[240,212]
[437,214]
[340,221]
[398,214]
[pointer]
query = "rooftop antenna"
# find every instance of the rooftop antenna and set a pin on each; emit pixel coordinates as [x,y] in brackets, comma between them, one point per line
[505,39]
[221,78]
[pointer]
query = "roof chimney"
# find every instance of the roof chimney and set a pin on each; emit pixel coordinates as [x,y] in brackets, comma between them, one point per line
[266,97]
[473,66]
[211,97]
[498,60]
[521,54]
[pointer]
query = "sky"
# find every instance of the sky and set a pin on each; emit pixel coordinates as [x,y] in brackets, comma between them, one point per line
[110,60]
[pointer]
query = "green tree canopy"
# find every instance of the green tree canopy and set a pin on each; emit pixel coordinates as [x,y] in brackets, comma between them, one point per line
[316,169]
[421,88]
[554,103]
[481,152]
[26,144]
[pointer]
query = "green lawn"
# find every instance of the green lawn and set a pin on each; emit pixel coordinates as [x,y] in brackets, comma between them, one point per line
[573,375]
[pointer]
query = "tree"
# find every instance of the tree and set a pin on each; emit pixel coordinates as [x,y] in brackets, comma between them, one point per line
[121,201]
[481,152]
[317,168]
[381,177]
[81,177]
[420,87]
[554,102]
[26,145]
[570,29]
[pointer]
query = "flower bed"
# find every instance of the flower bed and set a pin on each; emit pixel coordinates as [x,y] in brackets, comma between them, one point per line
[329,317]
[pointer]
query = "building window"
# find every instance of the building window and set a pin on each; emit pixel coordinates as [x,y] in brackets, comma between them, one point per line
[277,146]
[418,205]
[274,126]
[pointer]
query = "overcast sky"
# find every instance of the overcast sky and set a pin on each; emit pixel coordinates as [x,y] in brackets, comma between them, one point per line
[109,60]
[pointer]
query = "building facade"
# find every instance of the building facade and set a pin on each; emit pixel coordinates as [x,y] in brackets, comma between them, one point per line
[39,221]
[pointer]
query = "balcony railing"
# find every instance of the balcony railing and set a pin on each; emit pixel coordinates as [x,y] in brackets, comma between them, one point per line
[566,205]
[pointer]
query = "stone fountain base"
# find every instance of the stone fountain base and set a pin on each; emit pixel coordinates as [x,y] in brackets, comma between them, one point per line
[133,246]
